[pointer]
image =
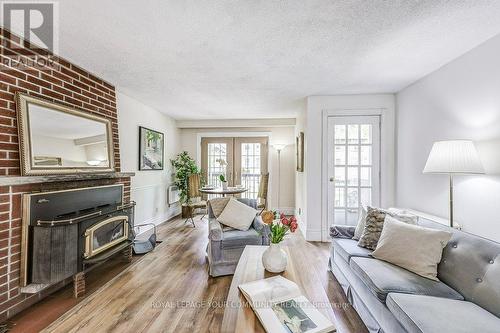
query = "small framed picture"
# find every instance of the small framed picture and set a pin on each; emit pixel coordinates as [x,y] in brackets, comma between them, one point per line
[300,151]
[151,149]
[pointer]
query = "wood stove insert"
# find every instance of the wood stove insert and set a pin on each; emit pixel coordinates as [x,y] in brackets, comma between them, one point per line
[66,233]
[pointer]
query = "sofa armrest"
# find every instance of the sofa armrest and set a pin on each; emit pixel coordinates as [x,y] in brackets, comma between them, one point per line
[214,230]
[342,231]
[262,228]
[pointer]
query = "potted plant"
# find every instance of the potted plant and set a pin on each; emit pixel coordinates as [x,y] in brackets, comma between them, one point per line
[184,166]
[222,165]
[275,258]
[223,181]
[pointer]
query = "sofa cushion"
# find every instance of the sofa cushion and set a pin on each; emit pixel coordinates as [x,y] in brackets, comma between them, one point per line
[348,248]
[237,238]
[382,278]
[428,314]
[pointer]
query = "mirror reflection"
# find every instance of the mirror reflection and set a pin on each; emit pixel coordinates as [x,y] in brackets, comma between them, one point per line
[64,140]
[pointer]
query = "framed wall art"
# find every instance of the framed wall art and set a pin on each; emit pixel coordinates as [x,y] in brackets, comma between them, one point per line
[299,146]
[151,149]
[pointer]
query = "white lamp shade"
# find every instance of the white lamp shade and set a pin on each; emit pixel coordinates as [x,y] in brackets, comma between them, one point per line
[279,146]
[454,156]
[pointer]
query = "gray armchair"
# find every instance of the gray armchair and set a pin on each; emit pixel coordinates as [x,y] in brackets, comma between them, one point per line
[226,244]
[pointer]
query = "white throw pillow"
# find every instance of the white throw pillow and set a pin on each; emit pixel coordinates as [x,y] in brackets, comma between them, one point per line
[412,247]
[361,224]
[237,215]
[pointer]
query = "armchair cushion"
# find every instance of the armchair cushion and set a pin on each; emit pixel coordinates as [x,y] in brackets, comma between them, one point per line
[237,215]
[239,239]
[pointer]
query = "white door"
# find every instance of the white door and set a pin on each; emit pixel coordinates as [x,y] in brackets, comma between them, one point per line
[353,166]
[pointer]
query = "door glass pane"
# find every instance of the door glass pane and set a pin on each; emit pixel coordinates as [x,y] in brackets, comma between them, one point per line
[340,134]
[339,176]
[366,155]
[352,197]
[250,169]
[366,176]
[339,197]
[339,155]
[217,163]
[352,176]
[353,155]
[339,216]
[366,134]
[352,216]
[353,134]
[366,196]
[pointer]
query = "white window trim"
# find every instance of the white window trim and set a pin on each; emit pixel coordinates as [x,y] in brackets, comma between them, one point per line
[387,158]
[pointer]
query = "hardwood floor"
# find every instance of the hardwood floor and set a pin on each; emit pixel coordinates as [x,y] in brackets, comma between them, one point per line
[168,290]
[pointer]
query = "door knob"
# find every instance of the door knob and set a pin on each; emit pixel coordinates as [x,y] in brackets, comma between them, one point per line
[332,179]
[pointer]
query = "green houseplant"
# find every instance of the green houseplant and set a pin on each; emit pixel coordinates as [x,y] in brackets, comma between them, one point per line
[184,166]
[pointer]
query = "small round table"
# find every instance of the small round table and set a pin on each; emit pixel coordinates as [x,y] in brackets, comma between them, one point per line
[220,190]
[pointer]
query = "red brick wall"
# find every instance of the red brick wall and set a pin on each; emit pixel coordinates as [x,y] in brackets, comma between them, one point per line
[68,85]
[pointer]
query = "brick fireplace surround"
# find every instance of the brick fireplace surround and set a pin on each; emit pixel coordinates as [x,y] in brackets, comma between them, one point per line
[69,85]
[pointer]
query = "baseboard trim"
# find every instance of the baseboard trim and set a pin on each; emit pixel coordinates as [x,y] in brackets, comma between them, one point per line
[313,235]
[160,219]
[285,210]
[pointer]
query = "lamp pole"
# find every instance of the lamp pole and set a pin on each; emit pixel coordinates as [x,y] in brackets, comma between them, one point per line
[451,200]
[279,175]
[279,147]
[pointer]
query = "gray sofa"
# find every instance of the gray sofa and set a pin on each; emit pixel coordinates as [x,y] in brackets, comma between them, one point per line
[226,244]
[391,299]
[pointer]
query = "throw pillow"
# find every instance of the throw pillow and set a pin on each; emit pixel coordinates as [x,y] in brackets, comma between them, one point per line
[218,205]
[374,223]
[412,247]
[237,215]
[361,224]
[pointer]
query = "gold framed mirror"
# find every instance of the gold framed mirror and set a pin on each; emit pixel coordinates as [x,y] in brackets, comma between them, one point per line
[57,139]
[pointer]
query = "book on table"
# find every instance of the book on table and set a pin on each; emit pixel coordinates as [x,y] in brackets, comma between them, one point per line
[281,307]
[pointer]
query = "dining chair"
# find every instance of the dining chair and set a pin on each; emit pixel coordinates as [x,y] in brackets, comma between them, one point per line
[196,199]
[262,195]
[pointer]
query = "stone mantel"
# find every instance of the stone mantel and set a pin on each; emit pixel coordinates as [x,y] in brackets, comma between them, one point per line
[22,180]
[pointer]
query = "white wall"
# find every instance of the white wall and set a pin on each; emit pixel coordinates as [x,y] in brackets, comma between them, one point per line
[459,101]
[285,134]
[315,167]
[71,154]
[148,188]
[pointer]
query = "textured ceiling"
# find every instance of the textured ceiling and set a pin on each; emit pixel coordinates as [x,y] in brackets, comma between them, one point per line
[249,59]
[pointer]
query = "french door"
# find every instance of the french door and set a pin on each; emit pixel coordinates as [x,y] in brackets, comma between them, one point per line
[216,160]
[241,159]
[353,166]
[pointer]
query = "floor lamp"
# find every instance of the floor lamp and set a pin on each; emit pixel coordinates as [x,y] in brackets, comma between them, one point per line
[279,147]
[453,157]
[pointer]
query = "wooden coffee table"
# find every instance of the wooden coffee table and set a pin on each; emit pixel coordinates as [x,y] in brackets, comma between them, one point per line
[239,316]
